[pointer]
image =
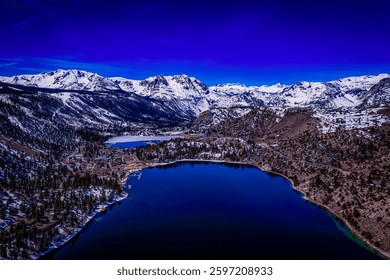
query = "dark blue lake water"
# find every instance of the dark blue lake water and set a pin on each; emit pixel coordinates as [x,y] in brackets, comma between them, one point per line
[212,211]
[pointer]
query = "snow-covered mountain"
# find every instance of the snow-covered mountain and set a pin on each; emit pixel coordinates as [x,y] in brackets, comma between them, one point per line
[362,83]
[307,94]
[189,97]
[378,94]
[346,92]
[193,97]
[181,92]
[85,108]
[64,79]
[228,95]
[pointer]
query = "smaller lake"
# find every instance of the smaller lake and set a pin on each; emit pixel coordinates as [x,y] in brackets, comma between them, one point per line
[133,141]
[134,144]
[212,211]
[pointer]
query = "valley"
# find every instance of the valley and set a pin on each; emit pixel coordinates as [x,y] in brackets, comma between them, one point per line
[332,140]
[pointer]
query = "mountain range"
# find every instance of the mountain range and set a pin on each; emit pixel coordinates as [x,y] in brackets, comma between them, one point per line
[81,97]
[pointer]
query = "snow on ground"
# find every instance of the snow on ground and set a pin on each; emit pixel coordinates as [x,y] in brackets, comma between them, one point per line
[67,233]
[4,98]
[348,100]
[64,96]
[189,95]
[359,82]
[15,121]
[350,119]
[3,147]
[221,114]
[64,79]
[273,88]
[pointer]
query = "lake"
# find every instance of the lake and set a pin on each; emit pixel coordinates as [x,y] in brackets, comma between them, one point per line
[198,210]
[133,141]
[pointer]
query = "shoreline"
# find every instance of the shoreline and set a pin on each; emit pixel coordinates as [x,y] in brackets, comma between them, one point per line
[145,165]
[378,251]
[99,208]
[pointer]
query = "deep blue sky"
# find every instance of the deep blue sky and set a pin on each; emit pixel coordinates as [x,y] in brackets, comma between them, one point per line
[252,42]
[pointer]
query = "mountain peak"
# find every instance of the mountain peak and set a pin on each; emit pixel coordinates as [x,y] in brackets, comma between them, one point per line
[181,76]
[155,82]
[69,71]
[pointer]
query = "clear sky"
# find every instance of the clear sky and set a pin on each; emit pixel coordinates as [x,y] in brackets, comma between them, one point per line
[251,42]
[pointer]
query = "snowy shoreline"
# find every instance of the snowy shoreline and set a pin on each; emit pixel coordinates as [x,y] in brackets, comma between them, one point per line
[100,208]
